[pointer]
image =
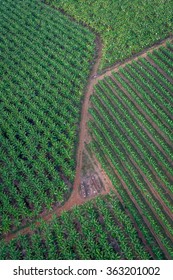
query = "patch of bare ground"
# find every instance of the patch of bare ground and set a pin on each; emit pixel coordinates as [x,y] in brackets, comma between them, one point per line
[91,181]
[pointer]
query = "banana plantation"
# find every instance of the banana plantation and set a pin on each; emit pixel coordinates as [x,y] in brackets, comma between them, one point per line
[86,152]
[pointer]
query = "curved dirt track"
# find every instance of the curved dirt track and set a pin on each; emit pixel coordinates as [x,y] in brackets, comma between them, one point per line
[75,198]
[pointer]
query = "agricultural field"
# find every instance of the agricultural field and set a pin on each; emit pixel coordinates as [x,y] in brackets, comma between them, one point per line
[45,63]
[109,234]
[86,127]
[126,27]
[131,128]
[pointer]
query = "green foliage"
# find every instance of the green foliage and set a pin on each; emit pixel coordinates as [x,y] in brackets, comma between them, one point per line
[126,27]
[44,69]
[97,230]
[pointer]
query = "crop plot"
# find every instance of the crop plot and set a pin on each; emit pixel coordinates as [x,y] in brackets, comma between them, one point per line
[106,193]
[131,128]
[45,63]
[126,27]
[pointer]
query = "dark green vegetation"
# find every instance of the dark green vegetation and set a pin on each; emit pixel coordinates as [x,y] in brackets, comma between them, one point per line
[126,27]
[45,62]
[132,137]
[97,230]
